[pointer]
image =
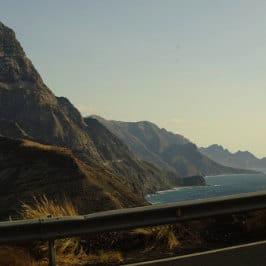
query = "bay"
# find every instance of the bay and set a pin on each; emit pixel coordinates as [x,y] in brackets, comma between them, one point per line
[216,186]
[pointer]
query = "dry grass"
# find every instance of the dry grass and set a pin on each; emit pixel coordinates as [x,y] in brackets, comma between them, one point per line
[69,251]
[109,257]
[105,257]
[44,207]
[162,235]
[45,147]
[28,143]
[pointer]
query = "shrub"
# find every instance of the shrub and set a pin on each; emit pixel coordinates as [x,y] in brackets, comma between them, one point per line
[163,234]
[69,251]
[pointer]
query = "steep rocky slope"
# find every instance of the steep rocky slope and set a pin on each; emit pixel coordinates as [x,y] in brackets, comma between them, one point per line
[143,175]
[144,139]
[187,160]
[165,149]
[26,101]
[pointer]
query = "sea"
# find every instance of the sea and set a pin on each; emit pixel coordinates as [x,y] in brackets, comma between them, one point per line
[216,186]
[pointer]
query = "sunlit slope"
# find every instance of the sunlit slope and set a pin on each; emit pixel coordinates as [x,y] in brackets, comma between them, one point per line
[30,169]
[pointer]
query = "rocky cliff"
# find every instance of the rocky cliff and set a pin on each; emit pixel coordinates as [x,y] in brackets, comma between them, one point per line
[26,101]
[166,150]
[143,175]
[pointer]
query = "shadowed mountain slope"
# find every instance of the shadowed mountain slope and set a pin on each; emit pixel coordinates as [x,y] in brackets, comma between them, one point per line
[144,139]
[165,149]
[30,169]
[143,175]
[240,159]
[187,160]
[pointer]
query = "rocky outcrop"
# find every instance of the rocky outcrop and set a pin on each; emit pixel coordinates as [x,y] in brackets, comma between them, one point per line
[15,67]
[196,180]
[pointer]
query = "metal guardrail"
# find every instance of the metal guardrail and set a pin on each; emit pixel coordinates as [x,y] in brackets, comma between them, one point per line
[115,220]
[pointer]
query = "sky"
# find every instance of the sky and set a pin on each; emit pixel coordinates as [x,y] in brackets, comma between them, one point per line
[194,67]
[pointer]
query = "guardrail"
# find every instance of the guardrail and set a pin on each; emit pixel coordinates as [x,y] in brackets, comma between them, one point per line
[115,220]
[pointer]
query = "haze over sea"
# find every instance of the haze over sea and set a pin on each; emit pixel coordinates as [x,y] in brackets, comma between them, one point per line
[216,186]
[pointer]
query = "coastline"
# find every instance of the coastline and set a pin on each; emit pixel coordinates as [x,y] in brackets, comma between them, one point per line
[218,185]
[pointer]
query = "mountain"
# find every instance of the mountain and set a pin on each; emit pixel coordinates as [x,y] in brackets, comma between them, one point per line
[142,175]
[27,102]
[30,169]
[29,110]
[240,159]
[144,139]
[164,149]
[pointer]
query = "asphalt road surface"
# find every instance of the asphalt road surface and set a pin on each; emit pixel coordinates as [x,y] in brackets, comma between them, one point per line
[253,254]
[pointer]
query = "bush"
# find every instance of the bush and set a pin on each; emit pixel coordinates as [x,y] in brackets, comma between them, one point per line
[69,251]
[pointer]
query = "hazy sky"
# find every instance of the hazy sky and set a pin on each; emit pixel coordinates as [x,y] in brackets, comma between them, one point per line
[195,67]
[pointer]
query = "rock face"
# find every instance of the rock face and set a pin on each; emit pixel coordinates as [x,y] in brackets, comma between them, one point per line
[164,149]
[25,100]
[142,175]
[12,129]
[240,159]
[144,139]
[14,66]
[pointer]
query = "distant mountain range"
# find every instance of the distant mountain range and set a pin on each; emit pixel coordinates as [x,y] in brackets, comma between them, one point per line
[240,159]
[164,149]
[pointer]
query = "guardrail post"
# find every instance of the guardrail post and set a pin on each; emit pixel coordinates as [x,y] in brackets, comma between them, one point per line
[51,253]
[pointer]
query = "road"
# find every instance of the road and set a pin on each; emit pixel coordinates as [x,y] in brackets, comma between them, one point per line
[253,254]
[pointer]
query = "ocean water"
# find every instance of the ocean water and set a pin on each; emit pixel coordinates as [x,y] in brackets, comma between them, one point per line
[221,185]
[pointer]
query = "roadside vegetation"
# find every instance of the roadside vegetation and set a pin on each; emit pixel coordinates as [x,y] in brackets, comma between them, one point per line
[142,244]
[69,251]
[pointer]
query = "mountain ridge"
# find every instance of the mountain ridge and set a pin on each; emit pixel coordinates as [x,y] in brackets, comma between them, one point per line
[165,149]
[242,159]
[116,154]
